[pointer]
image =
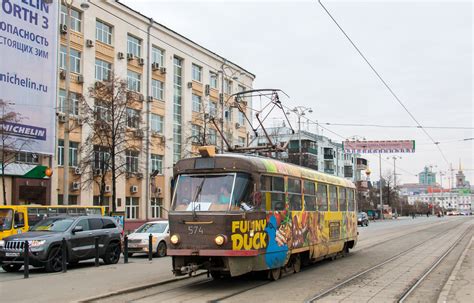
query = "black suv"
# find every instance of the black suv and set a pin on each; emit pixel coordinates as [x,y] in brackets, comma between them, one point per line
[46,236]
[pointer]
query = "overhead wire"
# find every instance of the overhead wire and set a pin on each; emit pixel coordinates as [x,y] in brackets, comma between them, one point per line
[385,83]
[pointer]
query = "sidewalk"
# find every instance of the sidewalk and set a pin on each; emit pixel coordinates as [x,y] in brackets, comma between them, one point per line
[83,282]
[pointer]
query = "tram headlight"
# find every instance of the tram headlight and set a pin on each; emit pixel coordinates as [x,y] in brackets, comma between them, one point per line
[220,240]
[174,239]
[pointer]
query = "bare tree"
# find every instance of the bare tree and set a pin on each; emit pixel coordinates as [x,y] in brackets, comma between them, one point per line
[115,138]
[11,145]
[199,132]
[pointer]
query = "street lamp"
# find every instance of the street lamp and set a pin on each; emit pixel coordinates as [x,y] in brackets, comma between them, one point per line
[300,111]
[84,5]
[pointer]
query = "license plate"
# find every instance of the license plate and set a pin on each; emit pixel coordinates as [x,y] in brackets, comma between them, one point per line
[132,245]
[12,254]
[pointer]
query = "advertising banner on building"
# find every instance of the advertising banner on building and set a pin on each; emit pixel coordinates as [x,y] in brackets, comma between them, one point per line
[28,73]
[376,147]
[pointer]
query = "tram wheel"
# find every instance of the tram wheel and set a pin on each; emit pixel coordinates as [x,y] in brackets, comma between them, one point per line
[274,274]
[216,275]
[296,263]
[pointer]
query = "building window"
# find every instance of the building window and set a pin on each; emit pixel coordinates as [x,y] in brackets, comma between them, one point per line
[241,141]
[75,18]
[134,81]
[228,113]
[72,200]
[25,157]
[213,108]
[75,60]
[158,56]
[157,89]
[103,70]
[197,73]
[196,103]
[156,123]
[103,32]
[131,158]
[101,111]
[73,153]
[212,136]
[213,80]
[132,207]
[101,158]
[134,46]
[157,163]
[228,86]
[73,105]
[241,118]
[195,133]
[133,118]
[155,205]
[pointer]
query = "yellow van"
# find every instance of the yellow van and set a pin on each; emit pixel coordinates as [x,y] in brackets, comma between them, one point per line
[15,219]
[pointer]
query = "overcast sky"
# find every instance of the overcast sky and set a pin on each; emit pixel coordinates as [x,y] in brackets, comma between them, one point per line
[423,49]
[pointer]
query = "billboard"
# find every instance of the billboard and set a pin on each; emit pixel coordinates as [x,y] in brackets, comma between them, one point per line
[28,72]
[376,147]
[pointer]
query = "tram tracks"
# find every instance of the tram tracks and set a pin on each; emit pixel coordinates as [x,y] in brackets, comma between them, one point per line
[399,255]
[205,288]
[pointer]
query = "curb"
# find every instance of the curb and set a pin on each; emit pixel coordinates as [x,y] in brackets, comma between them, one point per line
[136,288]
[443,295]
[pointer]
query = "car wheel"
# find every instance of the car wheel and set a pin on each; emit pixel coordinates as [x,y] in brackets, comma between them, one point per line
[54,263]
[12,267]
[161,249]
[274,274]
[112,253]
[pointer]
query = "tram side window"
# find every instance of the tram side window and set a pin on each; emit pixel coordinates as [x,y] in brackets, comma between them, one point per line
[273,192]
[322,197]
[342,199]
[350,200]
[332,198]
[294,194]
[309,196]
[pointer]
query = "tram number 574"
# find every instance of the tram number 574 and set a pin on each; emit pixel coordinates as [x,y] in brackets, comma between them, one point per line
[194,230]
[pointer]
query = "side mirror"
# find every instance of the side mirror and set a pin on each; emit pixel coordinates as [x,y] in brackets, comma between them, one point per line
[77,229]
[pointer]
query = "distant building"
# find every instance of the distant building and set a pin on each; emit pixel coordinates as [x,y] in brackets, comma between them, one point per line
[461,201]
[317,152]
[427,176]
[461,179]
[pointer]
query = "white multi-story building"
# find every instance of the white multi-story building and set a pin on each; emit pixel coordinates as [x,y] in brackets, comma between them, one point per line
[178,82]
[454,200]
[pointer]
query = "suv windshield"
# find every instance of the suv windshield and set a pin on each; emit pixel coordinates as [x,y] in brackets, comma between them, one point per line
[6,218]
[152,228]
[53,224]
[212,192]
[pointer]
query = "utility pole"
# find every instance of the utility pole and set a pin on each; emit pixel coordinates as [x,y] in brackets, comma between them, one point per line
[300,111]
[380,186]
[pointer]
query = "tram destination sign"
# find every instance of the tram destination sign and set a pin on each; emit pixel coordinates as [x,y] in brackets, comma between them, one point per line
[377,147]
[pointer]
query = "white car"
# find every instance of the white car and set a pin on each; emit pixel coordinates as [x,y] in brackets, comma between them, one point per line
[139,239]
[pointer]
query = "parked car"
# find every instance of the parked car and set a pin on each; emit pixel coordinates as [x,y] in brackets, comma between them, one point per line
[362,219]
[138,241]
[46,236]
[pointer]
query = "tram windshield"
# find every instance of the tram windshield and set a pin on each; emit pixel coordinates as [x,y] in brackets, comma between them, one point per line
[212,192]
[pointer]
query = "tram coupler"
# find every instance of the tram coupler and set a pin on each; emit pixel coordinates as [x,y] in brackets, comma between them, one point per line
[189,269]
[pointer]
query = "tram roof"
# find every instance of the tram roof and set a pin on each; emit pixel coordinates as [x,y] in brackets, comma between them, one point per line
[252,163]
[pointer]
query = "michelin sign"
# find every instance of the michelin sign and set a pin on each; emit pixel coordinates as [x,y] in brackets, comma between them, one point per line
[28,70]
